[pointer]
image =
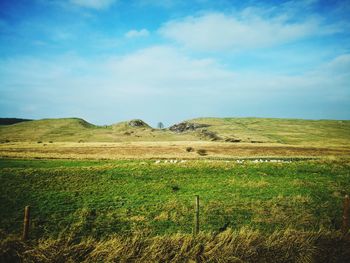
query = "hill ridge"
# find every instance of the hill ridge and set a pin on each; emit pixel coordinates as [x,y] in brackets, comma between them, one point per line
[233,130]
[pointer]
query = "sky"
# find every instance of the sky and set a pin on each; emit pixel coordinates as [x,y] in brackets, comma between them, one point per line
[167,61]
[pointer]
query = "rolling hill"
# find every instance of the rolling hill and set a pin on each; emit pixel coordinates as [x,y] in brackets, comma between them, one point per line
[283,131]
[79,130]
[230,130]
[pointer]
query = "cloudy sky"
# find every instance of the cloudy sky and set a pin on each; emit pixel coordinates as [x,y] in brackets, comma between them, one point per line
[171,60]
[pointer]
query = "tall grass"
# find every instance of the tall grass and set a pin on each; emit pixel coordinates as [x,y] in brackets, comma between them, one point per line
[139,211]
[244,245]
[100,198]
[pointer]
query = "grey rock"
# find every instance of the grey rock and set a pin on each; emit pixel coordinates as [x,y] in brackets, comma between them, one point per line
[137,123]
[187,126]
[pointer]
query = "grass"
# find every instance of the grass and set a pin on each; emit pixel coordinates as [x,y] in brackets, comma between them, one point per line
[78,130]
[317,133]
[283,131]
[76,139]
[163,150]
[110,194]
[104,197]
[244,245]
[143,211]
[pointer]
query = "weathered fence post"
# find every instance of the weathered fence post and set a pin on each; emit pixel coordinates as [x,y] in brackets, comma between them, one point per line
[26,223]
[196,220]
[346,209]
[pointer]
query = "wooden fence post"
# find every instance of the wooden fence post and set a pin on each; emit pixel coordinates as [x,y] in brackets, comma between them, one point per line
[196,220]
[346,210]
[26,223]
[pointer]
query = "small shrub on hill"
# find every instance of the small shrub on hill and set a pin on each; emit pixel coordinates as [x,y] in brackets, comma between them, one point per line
[189,149]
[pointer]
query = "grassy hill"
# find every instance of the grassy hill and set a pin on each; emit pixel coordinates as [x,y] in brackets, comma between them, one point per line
[48,129]
[78,130]
[242,130]
[284,131]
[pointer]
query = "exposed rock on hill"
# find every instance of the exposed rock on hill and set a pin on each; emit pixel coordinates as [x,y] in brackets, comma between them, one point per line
[137,123]
[187,126]
[210,135]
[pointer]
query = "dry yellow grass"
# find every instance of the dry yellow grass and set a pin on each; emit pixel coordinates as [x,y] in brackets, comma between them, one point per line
[163,150]
[244,245]
[319,133]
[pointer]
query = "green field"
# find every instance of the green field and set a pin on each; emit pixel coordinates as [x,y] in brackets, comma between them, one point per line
[94,198]
[118,209]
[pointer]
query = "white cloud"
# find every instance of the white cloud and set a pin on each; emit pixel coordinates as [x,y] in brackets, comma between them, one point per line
[247,29]
[137,33]
[94,4]
[162,82]
[340,64]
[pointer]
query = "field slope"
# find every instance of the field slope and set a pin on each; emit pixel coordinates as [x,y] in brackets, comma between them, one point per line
[215,137]
[247,130]
[284,131]
[79,130]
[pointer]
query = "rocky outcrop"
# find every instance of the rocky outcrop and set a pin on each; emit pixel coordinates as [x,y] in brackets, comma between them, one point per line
[187,126]
[137,123]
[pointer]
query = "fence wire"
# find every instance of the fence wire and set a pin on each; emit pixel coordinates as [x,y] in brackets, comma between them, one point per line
[124,217]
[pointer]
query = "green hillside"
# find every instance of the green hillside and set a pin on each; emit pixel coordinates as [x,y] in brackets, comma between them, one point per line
[285,131]
[230,130]
[48,129]
[78,130]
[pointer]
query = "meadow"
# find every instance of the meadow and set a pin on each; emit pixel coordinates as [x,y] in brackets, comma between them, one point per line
[98,200]
[268,188]
[165,150]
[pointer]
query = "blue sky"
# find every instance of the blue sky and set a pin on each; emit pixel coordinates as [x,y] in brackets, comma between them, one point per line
[113,60]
